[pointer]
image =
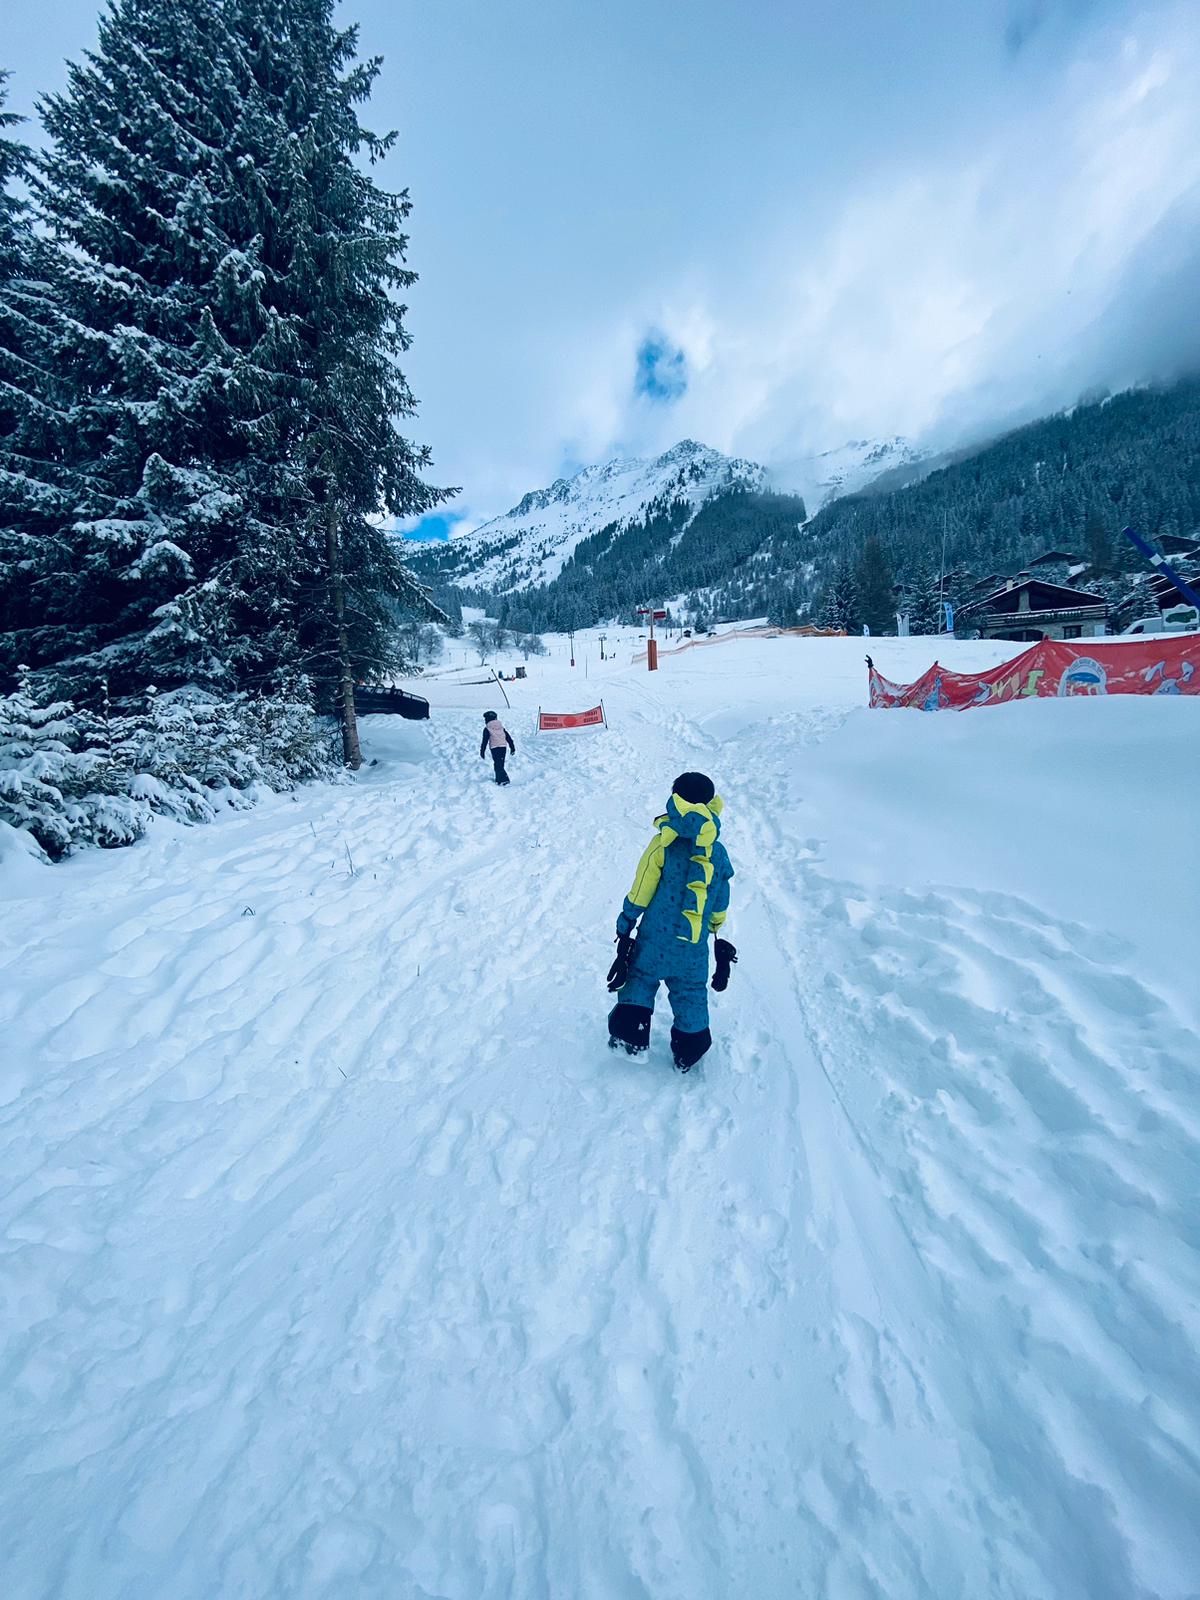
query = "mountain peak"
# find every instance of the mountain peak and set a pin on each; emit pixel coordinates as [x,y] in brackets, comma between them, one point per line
[531,543]
[686,448]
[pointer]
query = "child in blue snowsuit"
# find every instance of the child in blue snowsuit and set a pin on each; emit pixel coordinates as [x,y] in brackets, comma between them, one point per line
[681,894]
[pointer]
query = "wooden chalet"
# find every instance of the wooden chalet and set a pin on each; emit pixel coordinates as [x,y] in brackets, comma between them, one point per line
[1028,609]
[1055,558]
[1177,545]
[1164,593]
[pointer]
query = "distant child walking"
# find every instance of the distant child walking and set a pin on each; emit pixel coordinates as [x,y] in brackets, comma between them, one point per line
[497,737]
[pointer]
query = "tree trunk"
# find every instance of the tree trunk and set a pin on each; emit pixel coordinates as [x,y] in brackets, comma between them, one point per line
[351,750]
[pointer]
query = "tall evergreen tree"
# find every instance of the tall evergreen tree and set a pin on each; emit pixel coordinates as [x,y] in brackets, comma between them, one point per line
[224,336]
[923,599]
[16,266]
[28,504]
[841,606]
[1098,545]
[341,252]
[135,549]
[876,602]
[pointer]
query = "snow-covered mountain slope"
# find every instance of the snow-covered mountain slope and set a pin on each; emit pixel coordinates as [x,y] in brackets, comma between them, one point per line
[854,466]
[530,543]
[342,1259]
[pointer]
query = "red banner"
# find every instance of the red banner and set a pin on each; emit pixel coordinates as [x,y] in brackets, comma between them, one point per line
[552,721]
[1054,667]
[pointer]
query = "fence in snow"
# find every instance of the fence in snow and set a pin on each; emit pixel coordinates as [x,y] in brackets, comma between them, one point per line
[748,633]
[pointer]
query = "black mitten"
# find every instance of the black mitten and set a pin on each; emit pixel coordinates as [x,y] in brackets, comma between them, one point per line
[726,955]
[618,973]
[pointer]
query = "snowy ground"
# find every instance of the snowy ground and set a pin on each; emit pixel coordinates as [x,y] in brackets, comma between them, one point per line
[340,1258]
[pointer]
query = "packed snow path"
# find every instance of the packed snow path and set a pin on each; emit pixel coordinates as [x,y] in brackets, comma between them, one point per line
[341,1258]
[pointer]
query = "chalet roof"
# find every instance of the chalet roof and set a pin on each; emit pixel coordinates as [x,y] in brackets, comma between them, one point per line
[1180,544]
[1164,593]
[1054,558]
[1053,594]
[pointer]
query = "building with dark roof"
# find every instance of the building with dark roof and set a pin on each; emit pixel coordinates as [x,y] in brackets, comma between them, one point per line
[1029,609]
[1055,558]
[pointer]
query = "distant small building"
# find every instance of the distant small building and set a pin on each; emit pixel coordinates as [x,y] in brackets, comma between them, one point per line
[1164,593]
[1029,609]
[1174,545]
[1054,558]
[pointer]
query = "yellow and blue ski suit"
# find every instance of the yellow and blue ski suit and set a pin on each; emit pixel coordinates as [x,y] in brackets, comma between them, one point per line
[680,893]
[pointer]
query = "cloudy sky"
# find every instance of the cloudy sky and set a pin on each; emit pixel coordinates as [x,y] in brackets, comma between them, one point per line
[774,225]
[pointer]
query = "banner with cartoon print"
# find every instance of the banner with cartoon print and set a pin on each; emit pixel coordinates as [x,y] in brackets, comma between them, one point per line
[1053,667]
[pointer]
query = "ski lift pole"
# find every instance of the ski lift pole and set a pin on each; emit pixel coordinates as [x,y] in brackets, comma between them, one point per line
[1163,566]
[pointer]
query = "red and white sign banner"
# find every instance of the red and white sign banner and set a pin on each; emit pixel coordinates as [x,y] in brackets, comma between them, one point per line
[553,721]
[1054,667]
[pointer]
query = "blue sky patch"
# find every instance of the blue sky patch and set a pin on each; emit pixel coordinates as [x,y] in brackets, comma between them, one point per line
[661,372]
[435,525]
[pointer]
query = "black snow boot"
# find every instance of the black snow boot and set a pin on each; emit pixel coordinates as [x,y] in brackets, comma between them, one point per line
[629,1028]
[687,1048]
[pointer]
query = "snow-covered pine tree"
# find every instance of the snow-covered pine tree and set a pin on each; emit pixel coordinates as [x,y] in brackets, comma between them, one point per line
[877,604]
[339,249]
[289,742]
[30,506]
[1098,543]
[840,607]
[55,783]
[139,568]
[16,265]
[224,323]
[922,597]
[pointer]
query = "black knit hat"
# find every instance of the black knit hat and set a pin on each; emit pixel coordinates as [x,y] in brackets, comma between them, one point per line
[489,716]
[694,787]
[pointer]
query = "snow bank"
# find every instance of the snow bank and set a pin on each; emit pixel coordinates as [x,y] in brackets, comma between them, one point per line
[1081,806]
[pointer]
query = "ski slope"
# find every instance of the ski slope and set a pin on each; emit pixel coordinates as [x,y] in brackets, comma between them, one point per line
[341,1258]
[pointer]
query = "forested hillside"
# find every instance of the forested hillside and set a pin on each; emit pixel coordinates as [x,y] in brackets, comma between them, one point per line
[672,550]
[1068,483]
